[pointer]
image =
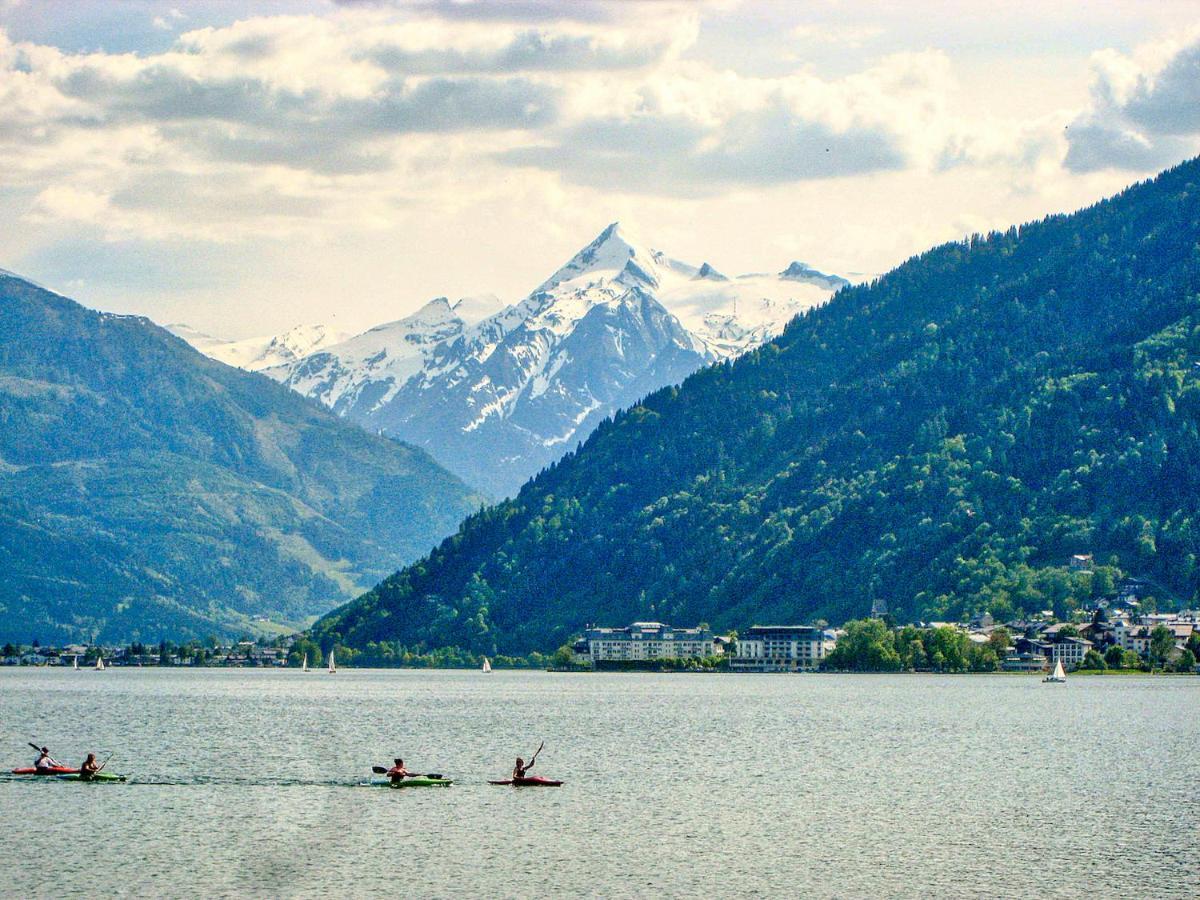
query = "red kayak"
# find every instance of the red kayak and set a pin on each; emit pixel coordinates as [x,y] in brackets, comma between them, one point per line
[53,770]
[529,781]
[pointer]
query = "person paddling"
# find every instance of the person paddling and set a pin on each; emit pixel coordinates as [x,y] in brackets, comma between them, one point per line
[45,762]
[88,770]
[522,767]
[397,772]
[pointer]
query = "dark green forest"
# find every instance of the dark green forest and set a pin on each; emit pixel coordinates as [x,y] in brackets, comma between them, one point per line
[147,491]
[940,439]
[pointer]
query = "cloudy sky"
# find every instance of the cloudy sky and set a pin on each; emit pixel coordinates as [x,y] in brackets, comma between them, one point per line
[246,167]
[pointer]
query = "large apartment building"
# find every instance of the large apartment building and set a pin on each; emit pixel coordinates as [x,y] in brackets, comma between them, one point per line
[648,641]
[782,648]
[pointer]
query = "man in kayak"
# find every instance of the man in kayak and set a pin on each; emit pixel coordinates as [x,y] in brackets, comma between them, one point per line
[45,762]
[397,772]
[89,768]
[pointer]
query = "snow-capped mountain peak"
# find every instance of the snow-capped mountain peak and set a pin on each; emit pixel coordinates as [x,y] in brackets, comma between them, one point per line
[802,272]
[707,271]
[497,392]
[611,257]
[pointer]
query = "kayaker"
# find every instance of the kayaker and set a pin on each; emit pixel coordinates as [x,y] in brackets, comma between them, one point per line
[522,767]
[397,772]
[45,761]
[89,768]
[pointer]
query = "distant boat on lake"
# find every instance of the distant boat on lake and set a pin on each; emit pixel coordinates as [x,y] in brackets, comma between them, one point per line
[305,669]
[1058,676]
[487,666]
[332,667]
[75,663]
[99,663]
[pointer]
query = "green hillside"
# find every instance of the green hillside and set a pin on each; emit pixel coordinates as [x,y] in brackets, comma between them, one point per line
[147,491]
[941,439]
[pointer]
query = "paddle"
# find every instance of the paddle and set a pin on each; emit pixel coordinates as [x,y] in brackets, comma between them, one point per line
[53,761]
[380,770]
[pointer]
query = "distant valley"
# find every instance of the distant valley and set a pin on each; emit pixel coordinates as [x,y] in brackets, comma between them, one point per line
[149,492]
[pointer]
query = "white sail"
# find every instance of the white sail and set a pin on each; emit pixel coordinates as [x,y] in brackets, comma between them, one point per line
[74,662]
[99,663]
[332,667]
[487,666]
[305,669]
[1058,670]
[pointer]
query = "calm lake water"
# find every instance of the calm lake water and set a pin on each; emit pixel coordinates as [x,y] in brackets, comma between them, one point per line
[249,783]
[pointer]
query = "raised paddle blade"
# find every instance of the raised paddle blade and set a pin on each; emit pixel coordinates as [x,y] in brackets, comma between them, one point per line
[379,770]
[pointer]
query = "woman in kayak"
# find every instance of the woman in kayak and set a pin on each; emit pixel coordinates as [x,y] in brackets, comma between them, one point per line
[45,761]
[522,767]
[89,768]
[397,772]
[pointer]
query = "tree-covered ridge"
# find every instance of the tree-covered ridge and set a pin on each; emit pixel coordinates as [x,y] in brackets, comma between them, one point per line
[940,439]
[148,491]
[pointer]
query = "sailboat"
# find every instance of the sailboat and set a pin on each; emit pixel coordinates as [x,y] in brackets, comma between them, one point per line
[487,666]
[332,667]
[75,663]
[1058,676]
[99,663]
[305,669]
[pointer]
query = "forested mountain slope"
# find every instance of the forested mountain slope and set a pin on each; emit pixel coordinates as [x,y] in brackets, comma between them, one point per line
[148,491]
[942,438]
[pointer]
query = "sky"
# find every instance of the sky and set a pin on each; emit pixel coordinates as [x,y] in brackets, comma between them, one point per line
[244,168]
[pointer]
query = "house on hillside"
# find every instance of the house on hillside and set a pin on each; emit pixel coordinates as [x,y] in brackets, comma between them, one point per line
[1080,562]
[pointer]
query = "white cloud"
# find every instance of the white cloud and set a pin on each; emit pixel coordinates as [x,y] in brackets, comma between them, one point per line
[1145,108]
[420,143]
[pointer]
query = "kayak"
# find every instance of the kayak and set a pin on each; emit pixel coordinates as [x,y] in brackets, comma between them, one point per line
[53,770]
[415,782]
[529,781]
[99,776]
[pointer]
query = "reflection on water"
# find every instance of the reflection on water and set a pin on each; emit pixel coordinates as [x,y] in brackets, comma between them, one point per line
[252,783]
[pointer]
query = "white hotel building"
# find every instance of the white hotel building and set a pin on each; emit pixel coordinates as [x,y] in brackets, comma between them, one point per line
[782,648]
[648,640]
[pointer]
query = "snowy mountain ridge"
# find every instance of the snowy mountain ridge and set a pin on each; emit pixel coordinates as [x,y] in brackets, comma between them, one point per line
[496,392]
[259,353]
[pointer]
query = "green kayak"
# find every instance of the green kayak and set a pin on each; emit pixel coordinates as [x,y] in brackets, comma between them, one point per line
[99,776]
[415,782]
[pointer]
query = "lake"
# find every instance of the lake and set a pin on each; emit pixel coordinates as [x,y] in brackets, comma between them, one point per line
[250,783]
